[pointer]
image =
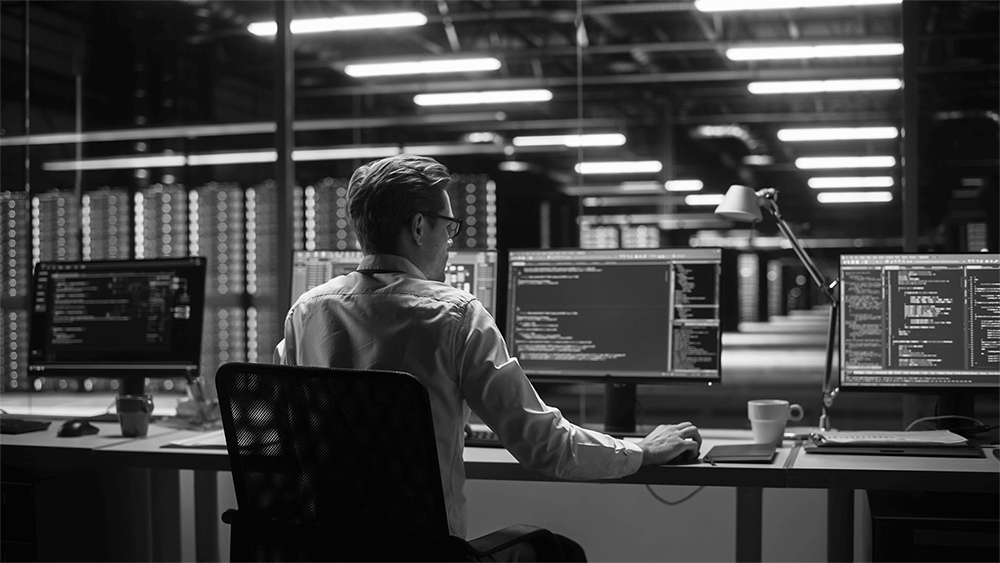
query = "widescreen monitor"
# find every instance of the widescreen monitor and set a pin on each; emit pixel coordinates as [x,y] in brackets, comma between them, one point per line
[124,319]
[920,322]
[636,316]
[472,270]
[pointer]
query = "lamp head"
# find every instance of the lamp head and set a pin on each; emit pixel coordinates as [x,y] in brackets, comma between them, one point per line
[740,204]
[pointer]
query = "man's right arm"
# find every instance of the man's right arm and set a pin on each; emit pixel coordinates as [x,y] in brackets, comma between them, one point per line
[537,435]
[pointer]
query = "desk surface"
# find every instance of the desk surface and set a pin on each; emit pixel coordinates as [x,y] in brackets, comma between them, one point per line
[791,468]
[888,472]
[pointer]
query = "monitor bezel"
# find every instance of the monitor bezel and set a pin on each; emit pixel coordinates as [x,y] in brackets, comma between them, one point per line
[928,390]
[160,369]
[607,378]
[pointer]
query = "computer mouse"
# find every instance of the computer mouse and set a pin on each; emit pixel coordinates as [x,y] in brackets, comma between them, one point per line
[686,458]
[77,427]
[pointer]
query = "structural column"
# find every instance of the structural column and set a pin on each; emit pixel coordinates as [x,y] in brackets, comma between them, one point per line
[284,101]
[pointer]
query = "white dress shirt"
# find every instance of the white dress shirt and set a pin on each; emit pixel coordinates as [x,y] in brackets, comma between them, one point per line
[388,315]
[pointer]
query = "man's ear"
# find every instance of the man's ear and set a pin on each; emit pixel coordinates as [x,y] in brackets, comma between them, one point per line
[417,229]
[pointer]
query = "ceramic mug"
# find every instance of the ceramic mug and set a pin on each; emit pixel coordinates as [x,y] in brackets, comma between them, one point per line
[768,418]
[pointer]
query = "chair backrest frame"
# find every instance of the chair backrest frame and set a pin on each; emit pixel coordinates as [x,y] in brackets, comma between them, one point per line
[343,450]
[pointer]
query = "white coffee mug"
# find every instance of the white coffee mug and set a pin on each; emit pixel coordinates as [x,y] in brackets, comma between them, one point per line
[768,418]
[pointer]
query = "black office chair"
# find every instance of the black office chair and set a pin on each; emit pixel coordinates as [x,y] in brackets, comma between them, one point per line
[341,465]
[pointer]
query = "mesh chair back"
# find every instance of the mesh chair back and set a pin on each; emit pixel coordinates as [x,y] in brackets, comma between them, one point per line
[329,456]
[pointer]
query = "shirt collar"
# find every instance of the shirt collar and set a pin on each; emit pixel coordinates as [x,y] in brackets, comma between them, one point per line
[392,263]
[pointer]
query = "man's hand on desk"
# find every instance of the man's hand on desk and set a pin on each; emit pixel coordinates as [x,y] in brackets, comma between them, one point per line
[671,443]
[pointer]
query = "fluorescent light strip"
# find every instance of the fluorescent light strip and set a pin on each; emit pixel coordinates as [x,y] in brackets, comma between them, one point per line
[513,166]
[758,160]
[845,162]
[741,5]
[704,199]
[343,23]
[684,185]
[837,134]
[299,155]
[835,182]
[807,86]
[232,158]
[117,163]
[854,197]
[640,187]
[344,153]
[493,97]
[634,167]
[814,51]
[587,140]
[361,70]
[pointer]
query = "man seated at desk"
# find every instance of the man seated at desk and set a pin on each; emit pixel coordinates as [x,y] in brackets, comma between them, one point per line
[395,313]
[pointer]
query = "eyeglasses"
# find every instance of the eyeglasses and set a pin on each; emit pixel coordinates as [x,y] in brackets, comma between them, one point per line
[453,226]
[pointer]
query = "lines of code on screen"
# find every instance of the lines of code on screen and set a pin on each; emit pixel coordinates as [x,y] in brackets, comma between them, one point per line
[920,321]
[602,316]
[115,314]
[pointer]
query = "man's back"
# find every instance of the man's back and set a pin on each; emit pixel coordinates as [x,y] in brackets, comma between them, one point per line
[389,317]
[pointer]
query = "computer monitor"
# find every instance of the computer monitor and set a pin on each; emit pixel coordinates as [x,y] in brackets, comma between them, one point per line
[620,317]
[474,270]
[124,319]
[920,323]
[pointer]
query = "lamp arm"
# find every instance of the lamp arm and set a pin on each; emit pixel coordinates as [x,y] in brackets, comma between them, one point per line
[769,202]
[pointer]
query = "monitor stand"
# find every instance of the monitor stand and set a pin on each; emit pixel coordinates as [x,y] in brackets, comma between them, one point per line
[133,384]
[959,404]
[619,409]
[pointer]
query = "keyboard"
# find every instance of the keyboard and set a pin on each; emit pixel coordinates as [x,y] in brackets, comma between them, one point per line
[479,438]
[12,425]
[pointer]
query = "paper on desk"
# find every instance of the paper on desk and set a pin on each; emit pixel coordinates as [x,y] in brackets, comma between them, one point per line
[884,437]
[209,440]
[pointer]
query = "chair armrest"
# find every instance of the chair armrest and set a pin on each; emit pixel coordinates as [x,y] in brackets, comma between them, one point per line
[543,541]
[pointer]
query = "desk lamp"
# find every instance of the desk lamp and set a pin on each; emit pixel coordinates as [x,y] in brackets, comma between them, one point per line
[743,204]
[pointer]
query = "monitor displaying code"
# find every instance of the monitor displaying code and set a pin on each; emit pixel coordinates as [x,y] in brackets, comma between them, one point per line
[920,321]
[474,271]
[139,314]
[642,315]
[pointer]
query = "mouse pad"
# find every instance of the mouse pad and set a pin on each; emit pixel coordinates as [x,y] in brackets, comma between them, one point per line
[741,453]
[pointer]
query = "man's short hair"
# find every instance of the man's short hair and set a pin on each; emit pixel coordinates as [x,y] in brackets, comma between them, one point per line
[385,194]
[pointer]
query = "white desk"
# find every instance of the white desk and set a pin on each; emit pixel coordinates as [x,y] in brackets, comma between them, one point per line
[792,468]
[840,475]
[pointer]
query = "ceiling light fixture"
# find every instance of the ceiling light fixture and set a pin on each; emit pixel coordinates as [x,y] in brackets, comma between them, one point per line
[587,140]
[837,134]
[494,97]
[811,162]
[814,51]
[117,163]
[704,199]
[513,166]
[835,182]
[854,197]
[343,23]
[758,160]
[361,70]
[684,185]
[622,167]
[640,187]
[809,86]
[740,5]
[247,157]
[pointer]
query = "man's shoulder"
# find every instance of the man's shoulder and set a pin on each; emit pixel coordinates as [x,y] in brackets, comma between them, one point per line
[444,292]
